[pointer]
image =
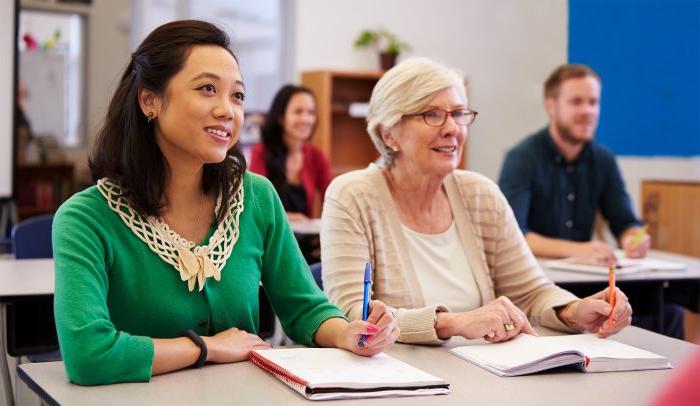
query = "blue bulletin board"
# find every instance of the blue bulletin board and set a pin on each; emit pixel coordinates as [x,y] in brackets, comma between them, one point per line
[648,56]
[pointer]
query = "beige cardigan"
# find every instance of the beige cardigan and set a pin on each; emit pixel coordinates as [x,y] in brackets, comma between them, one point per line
[361,223]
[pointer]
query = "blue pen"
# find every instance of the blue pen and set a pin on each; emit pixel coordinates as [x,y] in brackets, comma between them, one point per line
[365,300]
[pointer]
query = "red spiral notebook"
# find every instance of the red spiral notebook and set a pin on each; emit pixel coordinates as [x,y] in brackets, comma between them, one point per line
[331,373]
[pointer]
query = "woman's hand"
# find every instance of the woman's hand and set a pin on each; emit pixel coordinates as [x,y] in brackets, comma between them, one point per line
[381,330]
[636,249]
[595,250]
[497,321]
[592,313]
[232,345]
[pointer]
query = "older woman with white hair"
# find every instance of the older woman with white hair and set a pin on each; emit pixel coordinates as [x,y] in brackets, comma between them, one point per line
[444,245]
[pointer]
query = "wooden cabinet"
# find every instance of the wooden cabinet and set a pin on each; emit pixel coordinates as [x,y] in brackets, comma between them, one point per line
[41,188]
[672,212]
[342,137]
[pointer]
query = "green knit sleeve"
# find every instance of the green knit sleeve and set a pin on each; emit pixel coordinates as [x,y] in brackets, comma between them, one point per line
[296,299]
[93,351]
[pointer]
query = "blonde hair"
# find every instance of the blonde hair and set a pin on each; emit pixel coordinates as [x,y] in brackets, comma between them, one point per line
[407,88]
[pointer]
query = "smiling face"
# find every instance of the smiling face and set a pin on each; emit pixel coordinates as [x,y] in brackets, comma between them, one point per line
[431,150]
[574,111]
[299,117]
[199,117]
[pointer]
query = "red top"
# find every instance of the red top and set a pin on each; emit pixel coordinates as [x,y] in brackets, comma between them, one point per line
[682,389]
[315,173]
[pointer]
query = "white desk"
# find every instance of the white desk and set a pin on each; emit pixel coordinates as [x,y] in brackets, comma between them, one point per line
[692,272]
[306,227]
[20,278]
[26,277]
[243,383]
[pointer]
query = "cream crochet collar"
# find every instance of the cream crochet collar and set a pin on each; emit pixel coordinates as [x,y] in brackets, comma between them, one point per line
[194,263]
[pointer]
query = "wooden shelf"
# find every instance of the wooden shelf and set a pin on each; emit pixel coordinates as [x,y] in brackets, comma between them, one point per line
[41,188]
[342,137]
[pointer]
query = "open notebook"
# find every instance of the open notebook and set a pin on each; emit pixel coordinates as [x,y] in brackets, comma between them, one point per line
[624,265]
[526,354]
[331,373]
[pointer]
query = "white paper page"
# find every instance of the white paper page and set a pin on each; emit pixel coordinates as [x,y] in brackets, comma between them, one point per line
[650,263]
[592,269]
[594,347]
[521,350]
[379,394]
[330,367]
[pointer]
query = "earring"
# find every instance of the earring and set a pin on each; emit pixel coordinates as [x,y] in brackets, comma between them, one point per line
[150,116]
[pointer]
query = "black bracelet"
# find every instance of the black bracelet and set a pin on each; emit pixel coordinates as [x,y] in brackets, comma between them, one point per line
[200,343]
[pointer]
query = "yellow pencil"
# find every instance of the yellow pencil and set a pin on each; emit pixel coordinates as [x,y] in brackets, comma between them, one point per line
[639,235]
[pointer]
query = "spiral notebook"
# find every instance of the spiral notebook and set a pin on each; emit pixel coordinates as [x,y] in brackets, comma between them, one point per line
[526,354]
[331,373]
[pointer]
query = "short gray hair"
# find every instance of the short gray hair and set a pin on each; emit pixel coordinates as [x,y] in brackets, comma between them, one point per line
[407,88]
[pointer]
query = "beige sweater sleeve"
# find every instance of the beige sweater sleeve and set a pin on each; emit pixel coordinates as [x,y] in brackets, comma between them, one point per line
[517,274]
[349,239]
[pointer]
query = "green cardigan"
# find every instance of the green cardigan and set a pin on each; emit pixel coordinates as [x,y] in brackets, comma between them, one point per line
[113,294]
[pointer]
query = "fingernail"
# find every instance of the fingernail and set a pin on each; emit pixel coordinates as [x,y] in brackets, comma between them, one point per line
[372,329]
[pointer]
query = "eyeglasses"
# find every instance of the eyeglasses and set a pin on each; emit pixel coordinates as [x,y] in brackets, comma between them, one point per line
[438,117]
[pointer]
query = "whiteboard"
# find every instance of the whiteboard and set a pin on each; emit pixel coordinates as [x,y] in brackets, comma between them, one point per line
[8,50]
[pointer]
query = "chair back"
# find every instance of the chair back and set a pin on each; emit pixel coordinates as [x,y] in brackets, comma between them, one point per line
[29,323]
[31,238]
[316,272]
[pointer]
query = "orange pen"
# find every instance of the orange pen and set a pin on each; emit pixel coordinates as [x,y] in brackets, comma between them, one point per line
[611,293]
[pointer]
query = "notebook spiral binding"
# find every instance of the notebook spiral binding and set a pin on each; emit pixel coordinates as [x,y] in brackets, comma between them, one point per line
[287,377]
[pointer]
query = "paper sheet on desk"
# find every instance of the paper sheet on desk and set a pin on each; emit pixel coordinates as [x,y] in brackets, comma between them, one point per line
[624,265]
[331,373]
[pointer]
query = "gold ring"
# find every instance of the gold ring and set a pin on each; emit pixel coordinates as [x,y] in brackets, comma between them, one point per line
[509,325]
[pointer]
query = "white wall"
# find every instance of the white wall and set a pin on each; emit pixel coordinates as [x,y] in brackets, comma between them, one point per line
[506,48]
[7,104]
[108,55]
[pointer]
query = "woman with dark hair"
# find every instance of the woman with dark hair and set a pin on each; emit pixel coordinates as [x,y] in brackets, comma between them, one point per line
[296,168]
[158,266]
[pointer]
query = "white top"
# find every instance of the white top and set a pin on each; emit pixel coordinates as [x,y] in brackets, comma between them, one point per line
[443,269]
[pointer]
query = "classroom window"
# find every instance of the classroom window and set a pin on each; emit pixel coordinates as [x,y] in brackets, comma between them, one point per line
[51,68]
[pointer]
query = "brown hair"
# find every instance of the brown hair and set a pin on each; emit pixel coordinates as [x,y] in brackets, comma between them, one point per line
[126,149]
[564,72]
[272,133]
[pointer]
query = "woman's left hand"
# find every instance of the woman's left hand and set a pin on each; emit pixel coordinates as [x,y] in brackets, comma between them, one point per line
[592,313]
[381,330]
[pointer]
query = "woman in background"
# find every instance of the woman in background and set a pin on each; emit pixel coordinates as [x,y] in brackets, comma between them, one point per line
[296,168]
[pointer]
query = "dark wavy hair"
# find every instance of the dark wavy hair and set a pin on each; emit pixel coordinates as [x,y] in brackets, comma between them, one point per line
[126,150]
[272,131]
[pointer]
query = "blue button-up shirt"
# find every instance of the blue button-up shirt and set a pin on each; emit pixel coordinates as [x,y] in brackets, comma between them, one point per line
[559,199]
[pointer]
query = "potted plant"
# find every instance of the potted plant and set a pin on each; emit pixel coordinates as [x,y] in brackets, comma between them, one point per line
[388,45]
